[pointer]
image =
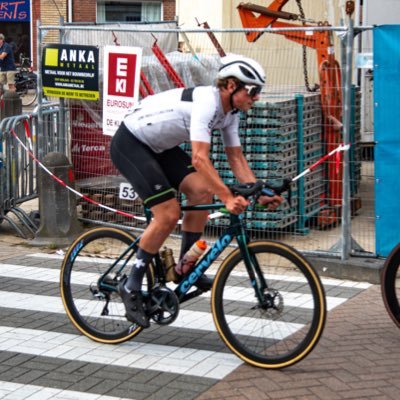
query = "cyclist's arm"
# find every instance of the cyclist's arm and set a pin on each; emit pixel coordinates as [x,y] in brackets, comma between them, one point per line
[244,174]
[201,162]
[239,165]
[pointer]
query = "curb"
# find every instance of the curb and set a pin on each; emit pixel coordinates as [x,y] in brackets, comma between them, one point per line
[360,269]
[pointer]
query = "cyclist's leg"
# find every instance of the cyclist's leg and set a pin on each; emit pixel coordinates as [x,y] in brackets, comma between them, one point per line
[178,168]
[154,182]
[197,192]
[139,164]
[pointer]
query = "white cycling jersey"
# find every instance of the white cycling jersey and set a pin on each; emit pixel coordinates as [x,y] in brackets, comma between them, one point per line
[164,120]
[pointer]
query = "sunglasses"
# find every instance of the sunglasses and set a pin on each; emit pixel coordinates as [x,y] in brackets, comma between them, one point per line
[253,90]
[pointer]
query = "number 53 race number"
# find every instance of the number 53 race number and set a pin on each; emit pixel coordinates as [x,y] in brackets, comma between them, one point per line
[126,192]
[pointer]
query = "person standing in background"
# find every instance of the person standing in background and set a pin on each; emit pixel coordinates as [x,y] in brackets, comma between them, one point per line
[7,65]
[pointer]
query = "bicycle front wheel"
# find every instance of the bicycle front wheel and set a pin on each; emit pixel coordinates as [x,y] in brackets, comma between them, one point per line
[390,284]
[89,284]
[284,323]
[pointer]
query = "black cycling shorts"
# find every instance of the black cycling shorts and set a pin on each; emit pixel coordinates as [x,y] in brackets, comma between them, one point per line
[154,176]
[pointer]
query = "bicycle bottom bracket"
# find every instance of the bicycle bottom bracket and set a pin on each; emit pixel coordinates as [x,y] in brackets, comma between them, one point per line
[163,306]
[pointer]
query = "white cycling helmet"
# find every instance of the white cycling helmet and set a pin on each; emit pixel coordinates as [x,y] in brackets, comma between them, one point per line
[245,69]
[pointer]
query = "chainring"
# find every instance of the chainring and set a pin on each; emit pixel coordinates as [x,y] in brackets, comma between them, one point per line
[164,306]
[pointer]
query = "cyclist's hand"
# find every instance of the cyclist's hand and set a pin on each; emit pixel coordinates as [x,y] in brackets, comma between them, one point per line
[236,204]
[271,202]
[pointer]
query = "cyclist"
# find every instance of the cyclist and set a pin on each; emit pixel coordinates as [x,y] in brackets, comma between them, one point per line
[145,149]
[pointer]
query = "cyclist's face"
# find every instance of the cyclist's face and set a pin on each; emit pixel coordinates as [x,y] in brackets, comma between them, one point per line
[244,98]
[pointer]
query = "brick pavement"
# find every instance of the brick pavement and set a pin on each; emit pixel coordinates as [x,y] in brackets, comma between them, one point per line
[357,358]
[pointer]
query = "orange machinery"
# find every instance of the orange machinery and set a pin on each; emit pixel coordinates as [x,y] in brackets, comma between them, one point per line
[255,16]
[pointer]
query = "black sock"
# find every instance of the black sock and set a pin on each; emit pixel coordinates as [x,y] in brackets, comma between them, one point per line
[138,270]
[188,239]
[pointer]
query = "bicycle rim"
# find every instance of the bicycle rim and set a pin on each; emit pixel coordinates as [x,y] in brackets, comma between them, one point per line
[28,97]
[391,285]
[285,331]
[97,313]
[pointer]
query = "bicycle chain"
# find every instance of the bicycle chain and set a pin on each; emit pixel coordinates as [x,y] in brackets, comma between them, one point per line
[305,68]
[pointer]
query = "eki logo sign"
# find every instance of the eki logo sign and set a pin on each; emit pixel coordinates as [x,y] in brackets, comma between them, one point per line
[121,76]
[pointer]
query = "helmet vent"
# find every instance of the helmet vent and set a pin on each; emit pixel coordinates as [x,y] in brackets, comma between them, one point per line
[246,72]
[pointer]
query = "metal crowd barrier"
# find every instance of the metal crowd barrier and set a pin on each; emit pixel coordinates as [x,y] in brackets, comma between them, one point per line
[18,170]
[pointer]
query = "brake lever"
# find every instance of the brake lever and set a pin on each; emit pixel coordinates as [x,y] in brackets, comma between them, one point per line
[278,190]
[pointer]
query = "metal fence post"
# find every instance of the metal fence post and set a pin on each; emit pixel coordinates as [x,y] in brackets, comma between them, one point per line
[346,208]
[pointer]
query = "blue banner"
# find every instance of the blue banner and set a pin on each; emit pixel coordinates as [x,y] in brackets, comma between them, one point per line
[15,11]
[387,136]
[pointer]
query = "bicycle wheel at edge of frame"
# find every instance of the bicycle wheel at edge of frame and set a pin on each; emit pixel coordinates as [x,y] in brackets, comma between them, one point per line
[391,270]
[73,314]
[231,340]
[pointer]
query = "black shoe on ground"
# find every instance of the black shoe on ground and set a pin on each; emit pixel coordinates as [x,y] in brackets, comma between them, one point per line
[133,302]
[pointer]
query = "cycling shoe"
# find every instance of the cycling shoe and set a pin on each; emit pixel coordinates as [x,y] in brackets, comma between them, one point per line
[133,302]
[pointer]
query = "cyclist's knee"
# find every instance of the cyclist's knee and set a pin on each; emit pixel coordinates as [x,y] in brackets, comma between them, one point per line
[200,197]
[167,214]
[196,189]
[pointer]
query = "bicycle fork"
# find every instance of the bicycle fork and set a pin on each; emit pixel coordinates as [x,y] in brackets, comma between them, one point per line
[252,265]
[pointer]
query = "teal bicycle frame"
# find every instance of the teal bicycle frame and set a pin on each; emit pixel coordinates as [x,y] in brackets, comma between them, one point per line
[235,230]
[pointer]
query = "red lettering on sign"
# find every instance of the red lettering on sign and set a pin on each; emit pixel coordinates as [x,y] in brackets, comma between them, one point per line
[121,74]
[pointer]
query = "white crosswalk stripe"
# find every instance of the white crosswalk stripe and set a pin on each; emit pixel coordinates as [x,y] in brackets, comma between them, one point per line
[189,319]
[130,354]
[51,275]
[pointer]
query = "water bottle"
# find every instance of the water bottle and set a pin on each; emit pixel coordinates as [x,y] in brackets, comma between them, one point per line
[169,263]
[190,258]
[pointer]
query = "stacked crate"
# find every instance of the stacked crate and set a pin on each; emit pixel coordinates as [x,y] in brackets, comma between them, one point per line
[312,188]
[268,136]
[281,136]
[105,190]
[270,145]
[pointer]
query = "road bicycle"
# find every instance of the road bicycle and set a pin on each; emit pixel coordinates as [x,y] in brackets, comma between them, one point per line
[267,301]
[390,284]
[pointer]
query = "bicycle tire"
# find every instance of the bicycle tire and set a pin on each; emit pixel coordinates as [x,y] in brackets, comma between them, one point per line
[28,96]
[273,338]
[390,284]
[83,264]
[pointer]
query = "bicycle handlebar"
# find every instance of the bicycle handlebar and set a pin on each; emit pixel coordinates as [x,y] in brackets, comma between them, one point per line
[260,188]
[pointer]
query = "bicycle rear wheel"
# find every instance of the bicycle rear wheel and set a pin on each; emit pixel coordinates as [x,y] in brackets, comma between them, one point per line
[96,309]
[286,325]
[390,284]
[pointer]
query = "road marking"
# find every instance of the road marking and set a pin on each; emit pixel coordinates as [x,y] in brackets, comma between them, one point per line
[188,319]
[231,293]
[187,361]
